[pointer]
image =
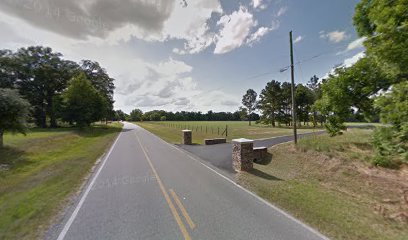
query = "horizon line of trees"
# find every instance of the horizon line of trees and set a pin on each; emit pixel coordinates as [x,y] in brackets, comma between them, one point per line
[161,115]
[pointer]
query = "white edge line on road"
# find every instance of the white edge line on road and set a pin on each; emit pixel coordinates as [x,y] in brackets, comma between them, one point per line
[88,189]
[244,189]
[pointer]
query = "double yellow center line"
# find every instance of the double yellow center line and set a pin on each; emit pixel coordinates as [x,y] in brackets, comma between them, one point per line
[173,209]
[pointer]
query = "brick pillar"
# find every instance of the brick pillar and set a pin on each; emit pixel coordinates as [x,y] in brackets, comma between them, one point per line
[242,154]
[187,137]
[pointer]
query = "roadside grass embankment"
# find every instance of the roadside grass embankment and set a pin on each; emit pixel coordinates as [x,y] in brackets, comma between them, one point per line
[329,183]
[170,131]
[40,171]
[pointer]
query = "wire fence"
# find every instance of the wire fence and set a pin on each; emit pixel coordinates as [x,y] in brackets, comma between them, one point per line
[214,130]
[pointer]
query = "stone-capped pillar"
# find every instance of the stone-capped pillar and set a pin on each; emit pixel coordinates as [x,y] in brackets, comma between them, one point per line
[187,137]
[242,154]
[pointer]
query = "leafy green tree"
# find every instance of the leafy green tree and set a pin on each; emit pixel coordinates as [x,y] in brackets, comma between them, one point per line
[315,86]
[42,75]
[250,102]
[304,100]
[286,103]
[393,105]
[385,26]
[120,115]
[14,112]
[271,101]
[352,87]
[8,69]
[391,142]
[82,103]
[101,80]
[136,115]
[155,117]
[243,114]
[163,118]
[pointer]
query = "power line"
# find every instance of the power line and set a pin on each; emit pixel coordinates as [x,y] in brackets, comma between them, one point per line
[299,62]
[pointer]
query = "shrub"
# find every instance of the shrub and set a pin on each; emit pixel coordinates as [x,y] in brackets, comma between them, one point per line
[334,126]
[390,146]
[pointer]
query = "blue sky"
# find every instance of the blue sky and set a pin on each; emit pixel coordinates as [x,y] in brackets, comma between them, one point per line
[188,55]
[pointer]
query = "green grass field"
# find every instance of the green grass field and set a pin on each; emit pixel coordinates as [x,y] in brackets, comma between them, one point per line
[170,131]
[41,170]
[328,183]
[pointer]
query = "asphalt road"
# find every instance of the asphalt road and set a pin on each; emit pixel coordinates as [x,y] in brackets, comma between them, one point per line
[219,155]
[148,189]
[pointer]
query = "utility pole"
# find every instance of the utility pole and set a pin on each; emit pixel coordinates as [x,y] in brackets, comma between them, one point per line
[293,88]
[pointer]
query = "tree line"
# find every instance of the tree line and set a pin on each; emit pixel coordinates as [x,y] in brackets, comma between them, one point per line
[38,85]
[161,115]
[275,103]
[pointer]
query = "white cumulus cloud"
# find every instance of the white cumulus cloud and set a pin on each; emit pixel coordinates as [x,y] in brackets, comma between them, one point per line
[256,36]
[358,43]
[281,11]
[298,39]
[234,29]
[256,3]
[348,62]
[334,36]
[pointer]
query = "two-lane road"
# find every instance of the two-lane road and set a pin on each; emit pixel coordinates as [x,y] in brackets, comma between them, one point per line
[148,189]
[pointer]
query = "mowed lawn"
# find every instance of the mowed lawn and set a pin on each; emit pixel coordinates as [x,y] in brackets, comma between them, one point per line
[170,131]
[39,171]
[329,183]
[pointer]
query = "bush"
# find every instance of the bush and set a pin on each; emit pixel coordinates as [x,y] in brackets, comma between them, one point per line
[390,146]
[334,126]
[384,161]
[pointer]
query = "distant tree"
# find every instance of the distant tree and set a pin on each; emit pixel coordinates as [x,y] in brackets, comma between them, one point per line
[163,118]
[82,103]
[120,115]
[243,114]
[286,103]
[271,101]
[155,117]
[8,69]
[250,102]
[14,111]
[315,86]
[304,101]
[136,115]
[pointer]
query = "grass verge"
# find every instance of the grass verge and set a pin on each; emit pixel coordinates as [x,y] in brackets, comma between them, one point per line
[39,171]
[170,131]
[328,183]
